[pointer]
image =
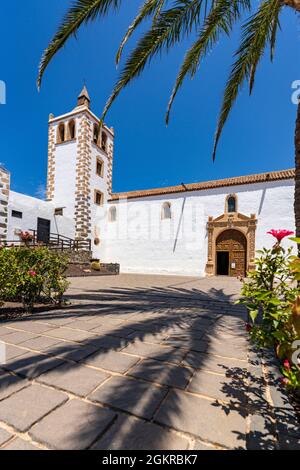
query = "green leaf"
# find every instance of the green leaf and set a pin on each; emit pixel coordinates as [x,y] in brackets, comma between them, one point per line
[253,315]
[295,239]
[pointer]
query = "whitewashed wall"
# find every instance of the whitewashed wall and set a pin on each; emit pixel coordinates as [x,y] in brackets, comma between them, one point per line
[32,208]
[65,171]
[143,243]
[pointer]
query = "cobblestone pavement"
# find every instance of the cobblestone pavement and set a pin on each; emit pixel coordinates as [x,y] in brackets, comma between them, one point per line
[141,362]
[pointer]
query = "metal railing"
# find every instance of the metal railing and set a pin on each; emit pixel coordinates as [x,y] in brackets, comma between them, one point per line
[55,242]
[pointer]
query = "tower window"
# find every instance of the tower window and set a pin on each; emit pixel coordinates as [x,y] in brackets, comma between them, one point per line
[72,130]
[99,167]
[61,133]
[96,134]
[112,214]
[231,204]
[166,211]
[104,142]
[98,198]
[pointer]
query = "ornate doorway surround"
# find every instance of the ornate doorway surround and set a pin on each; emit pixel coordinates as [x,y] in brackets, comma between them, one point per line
[246,225]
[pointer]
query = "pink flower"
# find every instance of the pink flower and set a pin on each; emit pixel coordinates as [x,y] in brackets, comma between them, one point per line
[285,381]
[32,273]
[286,364]
[280,234]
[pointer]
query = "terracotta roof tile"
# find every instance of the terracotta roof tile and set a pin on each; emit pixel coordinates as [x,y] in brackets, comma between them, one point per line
[250,179]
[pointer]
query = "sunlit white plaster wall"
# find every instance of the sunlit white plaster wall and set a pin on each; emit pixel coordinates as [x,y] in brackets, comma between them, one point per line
[143,243]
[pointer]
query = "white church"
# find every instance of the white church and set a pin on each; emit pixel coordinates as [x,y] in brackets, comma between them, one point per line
[206,228]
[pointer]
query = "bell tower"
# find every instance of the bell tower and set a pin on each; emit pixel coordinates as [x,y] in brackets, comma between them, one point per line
[80,156]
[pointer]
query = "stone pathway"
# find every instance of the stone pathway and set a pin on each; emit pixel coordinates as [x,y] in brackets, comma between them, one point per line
[141,362]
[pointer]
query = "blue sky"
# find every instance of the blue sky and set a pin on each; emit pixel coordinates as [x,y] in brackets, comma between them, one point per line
[258,136]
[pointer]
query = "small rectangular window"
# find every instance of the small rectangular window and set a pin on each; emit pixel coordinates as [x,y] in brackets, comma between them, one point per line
[99,167]
[98,198]
[59,211]
[17,214]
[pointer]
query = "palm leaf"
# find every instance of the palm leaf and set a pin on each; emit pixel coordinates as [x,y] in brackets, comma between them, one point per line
[149,8]
[256,34]
[169,29]
[80,12]
[220,20]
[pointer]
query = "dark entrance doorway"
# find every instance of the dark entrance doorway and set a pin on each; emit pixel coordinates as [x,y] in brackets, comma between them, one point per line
[223,263]
[43,230]
[231,247]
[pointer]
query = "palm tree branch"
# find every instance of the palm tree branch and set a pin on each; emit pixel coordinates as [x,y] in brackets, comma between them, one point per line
[169,29]
[80,12]
[149,8]
[256,34]
[220,20]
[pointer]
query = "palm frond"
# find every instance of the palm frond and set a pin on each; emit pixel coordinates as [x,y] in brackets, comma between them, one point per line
[169,29]
[256,35]
[158,9]
[220,20]
[80,12]
[149,8]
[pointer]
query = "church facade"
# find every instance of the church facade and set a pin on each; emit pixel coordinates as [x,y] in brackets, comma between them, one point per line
[208,228]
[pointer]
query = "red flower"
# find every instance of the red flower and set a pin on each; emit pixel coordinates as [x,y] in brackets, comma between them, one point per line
[286,364]
[248,327]
[32,273]
[280,234]
[285,381]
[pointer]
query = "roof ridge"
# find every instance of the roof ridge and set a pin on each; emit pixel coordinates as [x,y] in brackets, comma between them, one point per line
[231,181]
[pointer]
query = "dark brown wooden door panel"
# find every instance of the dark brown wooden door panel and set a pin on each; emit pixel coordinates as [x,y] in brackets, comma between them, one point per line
[235,243]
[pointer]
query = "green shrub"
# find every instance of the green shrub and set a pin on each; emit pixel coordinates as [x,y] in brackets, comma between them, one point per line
[272,298]
[32,275]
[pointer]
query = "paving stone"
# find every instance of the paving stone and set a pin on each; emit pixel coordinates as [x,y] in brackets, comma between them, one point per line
[219,387]
[129,433]
[73,426]
[262,433]
[71,351]
[5,331]
[187,343]
[31,326]
[29,405]
[31,365]
[224,349]
[155,351]
[164,374]
[112,361]
[12,352]
[4,436]
[70,335]
[121,330]
[134,396]
[19,337]
[202,446]
[221,365]
[203,418]
[85,325]
[40,343]
[107,342]
[10,384]
[74,378]
[287,422]
[289,442]
[20,444]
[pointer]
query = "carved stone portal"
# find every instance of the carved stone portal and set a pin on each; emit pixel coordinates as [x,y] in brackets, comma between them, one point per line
[231,221]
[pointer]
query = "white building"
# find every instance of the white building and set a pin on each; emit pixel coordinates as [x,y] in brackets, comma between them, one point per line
[208,228]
